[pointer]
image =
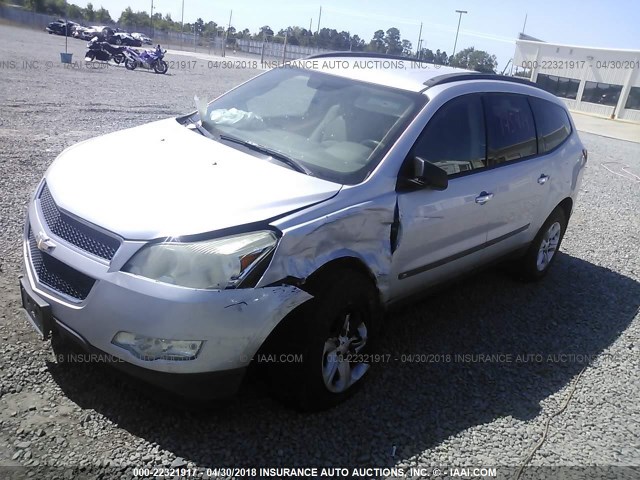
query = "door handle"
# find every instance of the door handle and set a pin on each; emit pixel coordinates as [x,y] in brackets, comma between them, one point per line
[542,179]
[483,198]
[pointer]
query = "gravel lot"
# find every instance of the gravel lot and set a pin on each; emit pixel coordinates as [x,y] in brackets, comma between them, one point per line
[446,410]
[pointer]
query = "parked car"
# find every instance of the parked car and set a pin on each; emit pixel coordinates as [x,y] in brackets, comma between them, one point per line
[83,33]
[60,27]
[123,38]
[100,31]
[143,38]
[273,226]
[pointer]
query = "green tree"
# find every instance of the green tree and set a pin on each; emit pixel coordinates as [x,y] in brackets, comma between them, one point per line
[357,44]
[75,12]
[127,17]
[407,48]
[265,31]
[377,43]
[427,55]
[56,7]
[89,13]
[441,58]
[199,26]
[210,29]
[36,5]
[392,41]
[473,59]
[102,15]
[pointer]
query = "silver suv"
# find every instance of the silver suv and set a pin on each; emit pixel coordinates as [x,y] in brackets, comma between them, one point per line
[274,225]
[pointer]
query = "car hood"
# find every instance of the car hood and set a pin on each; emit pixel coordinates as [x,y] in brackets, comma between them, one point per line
[163,179]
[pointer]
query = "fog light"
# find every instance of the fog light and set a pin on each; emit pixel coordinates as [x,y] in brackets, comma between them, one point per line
[148,348]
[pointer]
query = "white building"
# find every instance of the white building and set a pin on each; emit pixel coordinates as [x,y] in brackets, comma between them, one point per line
[599,81]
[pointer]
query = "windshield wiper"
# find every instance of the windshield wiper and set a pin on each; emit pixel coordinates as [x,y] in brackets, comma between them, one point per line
[203,131]
[268,151]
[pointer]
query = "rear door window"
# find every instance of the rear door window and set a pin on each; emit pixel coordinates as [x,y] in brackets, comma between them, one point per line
[511,132]
[552,123]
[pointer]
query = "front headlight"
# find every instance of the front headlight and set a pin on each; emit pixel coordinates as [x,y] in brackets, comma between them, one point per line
[213,264]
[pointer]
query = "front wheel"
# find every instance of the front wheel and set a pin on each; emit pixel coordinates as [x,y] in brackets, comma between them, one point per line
[327,342]
[160,67]
[544,249]
[130,64]
[118,58]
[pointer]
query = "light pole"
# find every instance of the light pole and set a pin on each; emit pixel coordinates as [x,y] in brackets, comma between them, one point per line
[182,26]
[151,18]
[458,30]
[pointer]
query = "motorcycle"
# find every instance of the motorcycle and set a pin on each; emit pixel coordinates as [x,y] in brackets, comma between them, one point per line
[103,51]
[151,59]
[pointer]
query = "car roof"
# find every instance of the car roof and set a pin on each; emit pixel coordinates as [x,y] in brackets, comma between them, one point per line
[395,71]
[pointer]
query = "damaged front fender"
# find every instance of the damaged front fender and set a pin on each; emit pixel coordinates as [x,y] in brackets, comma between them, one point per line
[362,231]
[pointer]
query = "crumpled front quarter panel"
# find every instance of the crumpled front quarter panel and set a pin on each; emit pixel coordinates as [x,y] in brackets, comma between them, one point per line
[361,231]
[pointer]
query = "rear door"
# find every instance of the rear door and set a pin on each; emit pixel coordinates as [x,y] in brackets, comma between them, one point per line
[519,175]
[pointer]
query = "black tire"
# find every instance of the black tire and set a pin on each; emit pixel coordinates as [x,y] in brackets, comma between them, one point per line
[530,268]
[90,56]
[160,67]
[119,58]
[306,333]
[130,64]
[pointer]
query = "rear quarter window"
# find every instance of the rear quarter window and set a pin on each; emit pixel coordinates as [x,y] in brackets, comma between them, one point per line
[552,123]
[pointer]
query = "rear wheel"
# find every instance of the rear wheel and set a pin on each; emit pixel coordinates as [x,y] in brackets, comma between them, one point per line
[118,58]
[543,250]
[326,342]
[130,64]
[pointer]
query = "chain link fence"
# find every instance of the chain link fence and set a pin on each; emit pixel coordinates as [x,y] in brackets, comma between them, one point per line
[268,50]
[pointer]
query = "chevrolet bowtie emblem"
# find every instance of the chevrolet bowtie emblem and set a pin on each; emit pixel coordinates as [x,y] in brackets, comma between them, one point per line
[44,243]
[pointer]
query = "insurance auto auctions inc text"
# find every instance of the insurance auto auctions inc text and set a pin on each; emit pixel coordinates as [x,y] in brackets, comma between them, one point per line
[356,472]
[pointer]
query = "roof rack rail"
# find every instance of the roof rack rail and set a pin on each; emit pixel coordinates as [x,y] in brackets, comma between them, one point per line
[365,55]
[459,77]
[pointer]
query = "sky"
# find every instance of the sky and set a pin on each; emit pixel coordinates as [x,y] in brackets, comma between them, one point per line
[490,25]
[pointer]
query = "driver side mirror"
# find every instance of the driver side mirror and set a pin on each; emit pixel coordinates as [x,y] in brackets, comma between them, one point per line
[429,175]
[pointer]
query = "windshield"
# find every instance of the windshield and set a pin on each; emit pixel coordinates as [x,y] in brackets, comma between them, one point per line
[335,128]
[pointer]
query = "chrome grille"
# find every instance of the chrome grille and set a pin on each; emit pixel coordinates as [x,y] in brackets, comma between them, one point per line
[77,233]
[57,275]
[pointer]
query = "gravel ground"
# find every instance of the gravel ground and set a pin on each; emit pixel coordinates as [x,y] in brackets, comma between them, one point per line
[458,407]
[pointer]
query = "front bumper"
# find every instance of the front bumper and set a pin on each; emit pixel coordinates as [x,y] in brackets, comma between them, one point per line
[233,324]
[206,385]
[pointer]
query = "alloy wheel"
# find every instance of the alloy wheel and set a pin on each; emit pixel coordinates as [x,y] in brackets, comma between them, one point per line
[341,367]
[548,246]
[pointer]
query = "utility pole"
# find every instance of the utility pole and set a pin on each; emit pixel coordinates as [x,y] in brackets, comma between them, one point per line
[182,25]
[319,17]
[226,36]
[458,30]
[151,18]
[419,40]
